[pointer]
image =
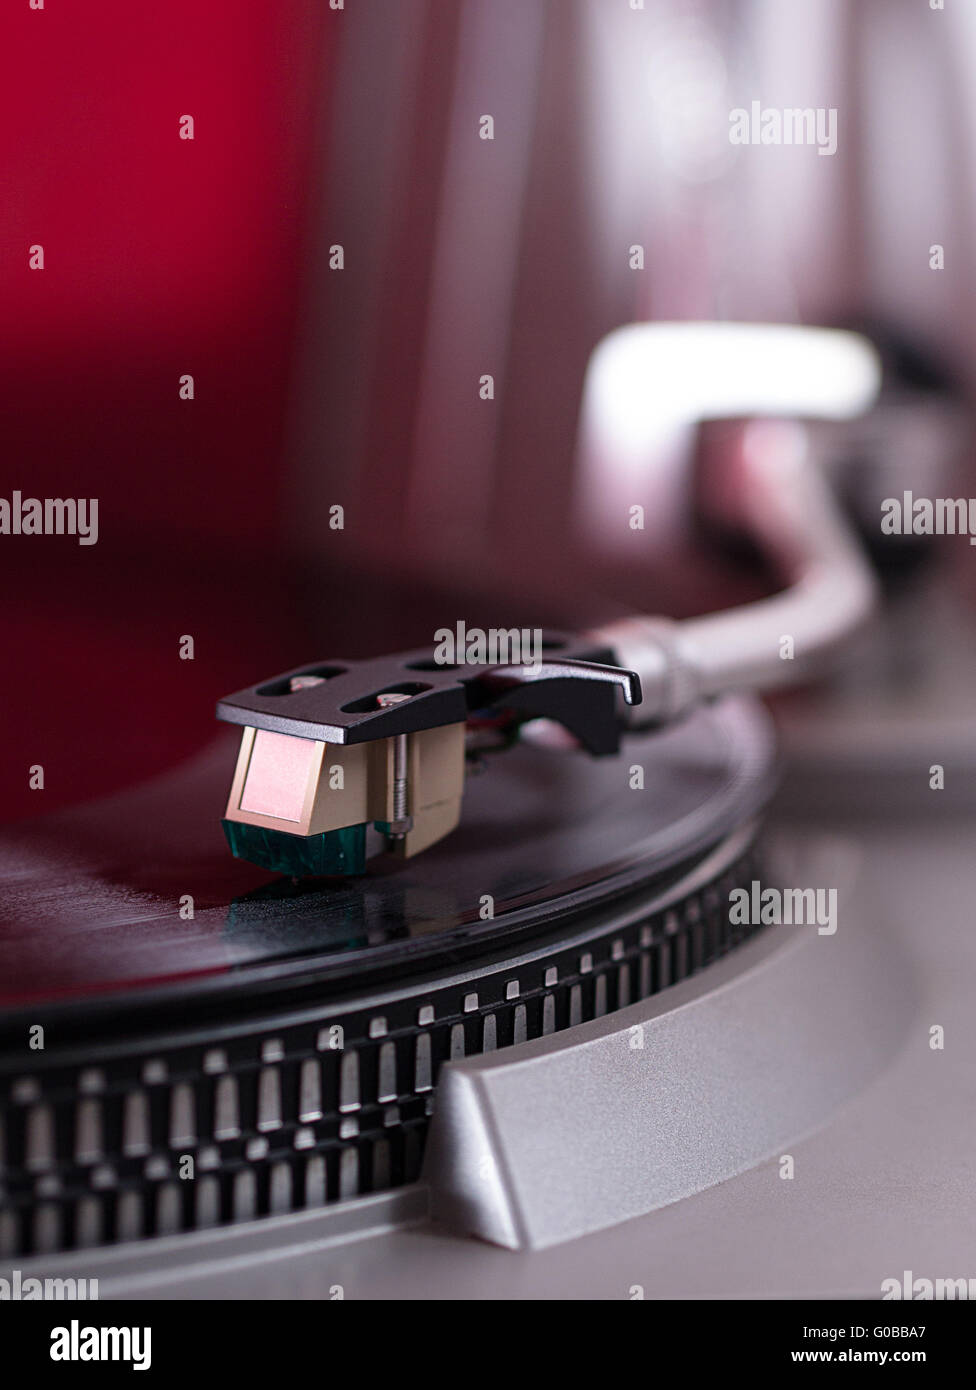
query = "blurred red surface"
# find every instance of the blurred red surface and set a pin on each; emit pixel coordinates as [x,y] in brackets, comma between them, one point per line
[163,256]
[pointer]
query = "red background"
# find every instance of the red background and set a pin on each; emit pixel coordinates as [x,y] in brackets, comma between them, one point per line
[163,256]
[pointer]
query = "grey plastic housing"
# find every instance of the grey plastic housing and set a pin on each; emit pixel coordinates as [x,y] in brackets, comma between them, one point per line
[568,1134]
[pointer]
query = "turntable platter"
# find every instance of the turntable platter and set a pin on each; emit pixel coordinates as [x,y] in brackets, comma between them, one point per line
[287,1038]
[96,899]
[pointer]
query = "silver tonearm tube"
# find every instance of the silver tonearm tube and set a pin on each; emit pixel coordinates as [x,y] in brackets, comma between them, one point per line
[782,500]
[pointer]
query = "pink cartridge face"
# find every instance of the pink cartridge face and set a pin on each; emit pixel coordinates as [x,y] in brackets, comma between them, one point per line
[277,775]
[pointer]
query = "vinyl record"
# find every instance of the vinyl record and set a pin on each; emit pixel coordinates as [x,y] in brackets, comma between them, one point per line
[288,1036]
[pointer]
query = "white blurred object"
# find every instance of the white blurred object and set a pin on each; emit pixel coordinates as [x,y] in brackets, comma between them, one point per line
[647,388]
[648,385]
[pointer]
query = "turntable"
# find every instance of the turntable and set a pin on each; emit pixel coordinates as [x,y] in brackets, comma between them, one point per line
[487,980]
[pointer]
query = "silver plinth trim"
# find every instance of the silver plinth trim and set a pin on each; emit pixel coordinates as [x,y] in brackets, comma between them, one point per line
[568,1134]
